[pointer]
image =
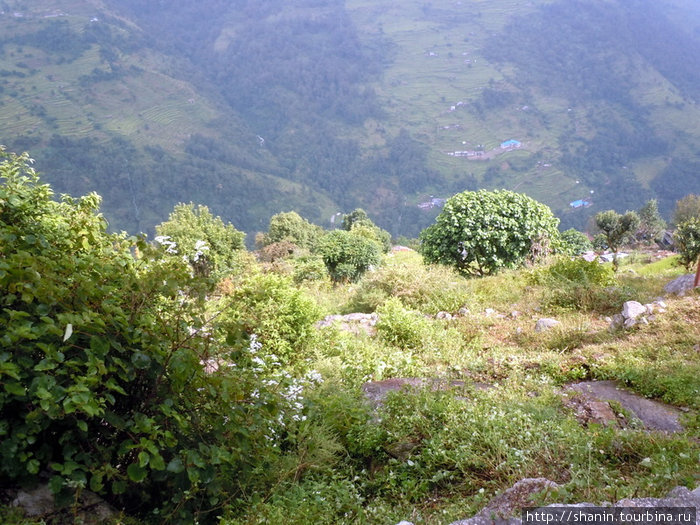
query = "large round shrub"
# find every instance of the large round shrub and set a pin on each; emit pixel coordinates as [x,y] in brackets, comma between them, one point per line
[347,255]
[485,231]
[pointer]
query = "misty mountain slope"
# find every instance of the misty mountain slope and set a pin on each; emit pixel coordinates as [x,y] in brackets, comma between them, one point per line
[322,106]
[581,84]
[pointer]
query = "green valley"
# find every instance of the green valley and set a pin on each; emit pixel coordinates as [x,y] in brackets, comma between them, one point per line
[323,106]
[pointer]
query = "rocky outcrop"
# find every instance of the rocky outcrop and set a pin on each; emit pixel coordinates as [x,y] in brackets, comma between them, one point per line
[39,503]
[376,391]
[592,405]
[501,507]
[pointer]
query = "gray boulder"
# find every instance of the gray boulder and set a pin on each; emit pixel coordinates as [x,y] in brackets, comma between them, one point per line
[545,324]
[90,509]
[681,285]
[633,309]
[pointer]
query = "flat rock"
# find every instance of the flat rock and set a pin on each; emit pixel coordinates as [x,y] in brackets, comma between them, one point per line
[355,323]
[653,414]
[376,391]
[500,508]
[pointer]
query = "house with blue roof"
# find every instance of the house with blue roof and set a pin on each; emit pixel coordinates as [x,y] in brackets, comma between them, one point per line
[510,144]
[579,204]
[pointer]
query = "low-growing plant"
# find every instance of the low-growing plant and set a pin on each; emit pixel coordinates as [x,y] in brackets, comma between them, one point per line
[400,326]
[579,284]
[355,360]
[429,289]
[272,307]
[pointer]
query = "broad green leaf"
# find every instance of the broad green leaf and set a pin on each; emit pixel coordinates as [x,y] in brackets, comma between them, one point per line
[136,473]
[175,466]
[14,388]
[140,360]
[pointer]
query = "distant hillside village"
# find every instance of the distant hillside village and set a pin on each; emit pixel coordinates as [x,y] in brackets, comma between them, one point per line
[508,145]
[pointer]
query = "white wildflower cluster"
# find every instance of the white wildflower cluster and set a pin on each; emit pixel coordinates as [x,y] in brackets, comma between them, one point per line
[261,363]
[274,381]
[313,376]
[168,243]
[200,247]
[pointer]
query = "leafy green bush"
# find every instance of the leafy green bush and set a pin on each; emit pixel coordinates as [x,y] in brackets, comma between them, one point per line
[106,367]
[401,327]
[270,306]
[291,227]
[347,256]
[483,232]
[687,237]
[575,242]
[309,268]
[579,284]
[210,246]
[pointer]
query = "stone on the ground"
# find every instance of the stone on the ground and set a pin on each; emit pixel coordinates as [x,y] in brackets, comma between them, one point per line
[654,415]
[545,324]
[355,323]
[91,509]
[633,309]
[500,508]
[589,410]
[443,315]
[681,285]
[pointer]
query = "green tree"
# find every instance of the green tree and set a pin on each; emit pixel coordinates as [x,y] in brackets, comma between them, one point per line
[357,215]
[617,229]
[292,227]
[347,256]
[687,238]
[358,222]
[686,208]
[485,231]
[651,224]
[211,246]
[575,242]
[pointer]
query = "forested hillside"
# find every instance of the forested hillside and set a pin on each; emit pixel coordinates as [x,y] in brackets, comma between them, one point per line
[322,106]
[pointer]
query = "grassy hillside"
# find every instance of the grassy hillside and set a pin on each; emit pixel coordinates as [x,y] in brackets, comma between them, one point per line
[326,106]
